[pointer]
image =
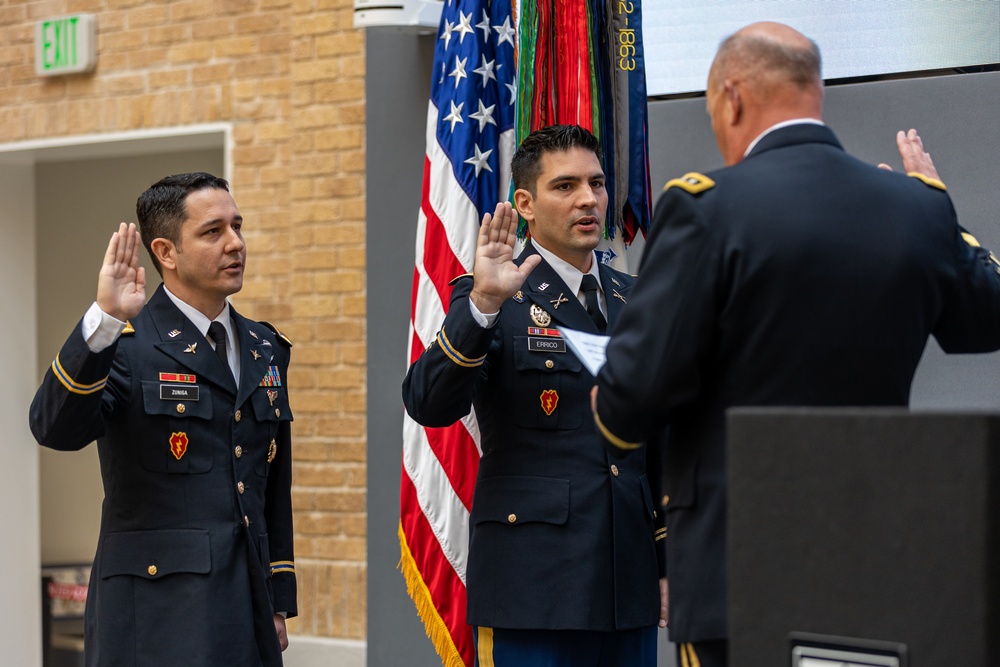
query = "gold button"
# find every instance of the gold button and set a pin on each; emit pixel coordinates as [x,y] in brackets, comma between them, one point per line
[181,408]
[239,451]
[240,488]
[511,518]
[614,470]
[152,570]
[549,363]
[238,416]
[246,520]
[666,499]
[277,412]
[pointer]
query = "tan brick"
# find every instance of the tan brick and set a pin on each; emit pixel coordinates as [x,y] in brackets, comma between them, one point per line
[189,52]
[208,74]
[184,11]
[340,91]
[168,34]
[236,46]
[260,67]
[150,15]
[144,59]
[354,305]
[274,43]
[313,24]
[211,28]
[340,43]
[14,14]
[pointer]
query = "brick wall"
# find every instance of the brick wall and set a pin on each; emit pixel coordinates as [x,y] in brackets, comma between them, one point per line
[289,76]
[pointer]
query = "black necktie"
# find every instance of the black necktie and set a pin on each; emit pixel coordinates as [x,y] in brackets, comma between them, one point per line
[217,332]
[589,287]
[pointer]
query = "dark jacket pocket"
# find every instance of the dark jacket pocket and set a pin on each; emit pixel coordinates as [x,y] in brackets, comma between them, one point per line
[173,435]
[154,554]
[515,500]
[543,386]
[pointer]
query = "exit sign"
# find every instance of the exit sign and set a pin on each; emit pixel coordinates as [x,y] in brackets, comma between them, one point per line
[66,45]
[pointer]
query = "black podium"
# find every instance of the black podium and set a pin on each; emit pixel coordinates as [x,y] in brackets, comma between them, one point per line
[876,532]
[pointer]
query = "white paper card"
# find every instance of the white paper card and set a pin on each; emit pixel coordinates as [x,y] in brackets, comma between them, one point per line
[588,348]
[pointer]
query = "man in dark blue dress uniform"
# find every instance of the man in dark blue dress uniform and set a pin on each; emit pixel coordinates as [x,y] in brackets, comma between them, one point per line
[563,567]
[796,275]
[188,403]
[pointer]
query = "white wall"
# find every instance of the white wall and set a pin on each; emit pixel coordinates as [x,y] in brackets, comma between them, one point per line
[20,598]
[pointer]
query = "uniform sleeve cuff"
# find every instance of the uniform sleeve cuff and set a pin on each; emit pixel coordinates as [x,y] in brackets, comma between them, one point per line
[99,329]
[611,437]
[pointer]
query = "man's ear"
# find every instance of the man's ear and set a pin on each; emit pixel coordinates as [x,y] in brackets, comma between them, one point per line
[524,203]
[734,100]
[164,251]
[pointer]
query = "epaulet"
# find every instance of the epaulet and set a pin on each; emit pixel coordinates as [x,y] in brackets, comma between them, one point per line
[933,182]
[277,332]
[691,182]
[457,278]
[129,329]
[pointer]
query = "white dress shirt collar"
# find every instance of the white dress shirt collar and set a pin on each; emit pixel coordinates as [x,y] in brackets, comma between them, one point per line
[570,275]
[201,321]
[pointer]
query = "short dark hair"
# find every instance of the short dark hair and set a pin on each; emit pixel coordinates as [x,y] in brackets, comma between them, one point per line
[526,165]
[161,209]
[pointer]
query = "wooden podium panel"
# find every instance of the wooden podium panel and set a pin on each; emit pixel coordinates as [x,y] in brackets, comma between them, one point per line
[875,524]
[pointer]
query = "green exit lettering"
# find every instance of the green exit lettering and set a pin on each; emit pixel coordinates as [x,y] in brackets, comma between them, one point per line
[59,43]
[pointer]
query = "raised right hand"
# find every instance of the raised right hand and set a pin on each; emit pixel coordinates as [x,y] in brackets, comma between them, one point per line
[496,277]
[121,285]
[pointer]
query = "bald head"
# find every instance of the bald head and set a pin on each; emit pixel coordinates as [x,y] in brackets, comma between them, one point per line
[763,74]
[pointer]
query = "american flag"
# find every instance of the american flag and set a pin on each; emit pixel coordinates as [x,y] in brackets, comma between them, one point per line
[470,141]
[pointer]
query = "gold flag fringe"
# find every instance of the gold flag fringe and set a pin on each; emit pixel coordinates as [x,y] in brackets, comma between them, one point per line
[434,625]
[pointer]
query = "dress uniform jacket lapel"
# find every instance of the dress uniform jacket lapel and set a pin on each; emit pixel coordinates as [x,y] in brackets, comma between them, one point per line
[615,293]
[256,354]
[544,286]
[189,348]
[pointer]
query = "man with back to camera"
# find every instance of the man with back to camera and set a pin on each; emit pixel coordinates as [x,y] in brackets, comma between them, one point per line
[188,402]
[562,569]
[795,276]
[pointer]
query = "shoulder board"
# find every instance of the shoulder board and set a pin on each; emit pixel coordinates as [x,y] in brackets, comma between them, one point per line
[692,182]
[277,332]
[933,182]
[457,278]
[129,329]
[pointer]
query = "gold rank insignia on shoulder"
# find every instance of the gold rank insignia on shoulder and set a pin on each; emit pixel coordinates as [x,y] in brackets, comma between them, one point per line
[691,182]
[927,180]
[129,329]
[539,316]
